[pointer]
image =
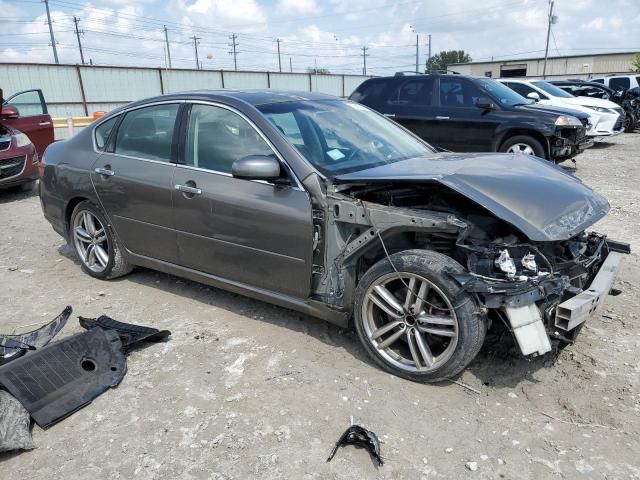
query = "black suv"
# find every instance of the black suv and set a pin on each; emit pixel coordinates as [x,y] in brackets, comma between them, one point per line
[475,114]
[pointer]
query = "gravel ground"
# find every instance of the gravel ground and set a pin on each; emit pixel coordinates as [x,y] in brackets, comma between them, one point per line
[244,389]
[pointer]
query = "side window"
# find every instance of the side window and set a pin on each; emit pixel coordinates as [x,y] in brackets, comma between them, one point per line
[148,132]
[620,82]
[369,92]
[456,92]
[413,92]
[103,131]
[217,137]
[28,103]
[522,89]
[599,80]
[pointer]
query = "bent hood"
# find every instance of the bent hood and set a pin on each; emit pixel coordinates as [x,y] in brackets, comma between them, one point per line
[538,198]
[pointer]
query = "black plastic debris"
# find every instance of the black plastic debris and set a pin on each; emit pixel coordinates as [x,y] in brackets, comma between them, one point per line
[361,437]
[59,379]
[15,346]
[15,433]
[130,334]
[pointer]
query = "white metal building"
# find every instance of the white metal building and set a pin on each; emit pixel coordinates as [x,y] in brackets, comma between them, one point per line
[576,66]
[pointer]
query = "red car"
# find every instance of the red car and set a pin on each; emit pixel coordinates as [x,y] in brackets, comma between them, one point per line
[26,130]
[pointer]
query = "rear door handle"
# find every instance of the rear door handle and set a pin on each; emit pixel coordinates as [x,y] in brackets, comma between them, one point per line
[188,189]
[105,171]
[390,115]
[442,118]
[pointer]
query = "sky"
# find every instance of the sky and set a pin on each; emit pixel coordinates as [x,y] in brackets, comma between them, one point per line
[313,33]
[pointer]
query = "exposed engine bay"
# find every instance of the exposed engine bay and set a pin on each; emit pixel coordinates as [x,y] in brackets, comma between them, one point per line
[525,284]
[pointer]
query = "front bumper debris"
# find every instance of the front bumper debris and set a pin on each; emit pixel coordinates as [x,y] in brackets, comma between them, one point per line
[578,309]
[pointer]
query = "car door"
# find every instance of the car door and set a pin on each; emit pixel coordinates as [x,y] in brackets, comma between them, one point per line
[462,126]
[133,178]
[33,118]
[410,104]
[252,232]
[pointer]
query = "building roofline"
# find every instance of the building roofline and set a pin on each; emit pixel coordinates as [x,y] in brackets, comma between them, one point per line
[529,59]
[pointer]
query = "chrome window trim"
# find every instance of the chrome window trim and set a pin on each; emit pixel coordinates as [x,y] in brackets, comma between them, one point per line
[290,171]
[124,112]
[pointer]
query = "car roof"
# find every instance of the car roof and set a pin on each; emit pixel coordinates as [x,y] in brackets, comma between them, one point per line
[250,96]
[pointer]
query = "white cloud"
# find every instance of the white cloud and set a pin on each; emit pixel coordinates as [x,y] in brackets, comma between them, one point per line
[297,7]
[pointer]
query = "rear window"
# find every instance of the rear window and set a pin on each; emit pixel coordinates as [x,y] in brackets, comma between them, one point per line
[368,92]
[417,91]
[620,82]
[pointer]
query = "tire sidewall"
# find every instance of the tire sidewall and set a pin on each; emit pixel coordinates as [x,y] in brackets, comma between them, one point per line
[91,208]
[431,266]
[532,142]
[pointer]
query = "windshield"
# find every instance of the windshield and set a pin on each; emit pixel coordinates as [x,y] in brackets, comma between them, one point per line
[339,136]
[552,89]
[503,94]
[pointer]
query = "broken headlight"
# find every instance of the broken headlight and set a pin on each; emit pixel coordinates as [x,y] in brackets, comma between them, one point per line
[506,264]
[568,121]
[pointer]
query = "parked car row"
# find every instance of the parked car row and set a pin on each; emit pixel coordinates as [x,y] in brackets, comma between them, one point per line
[477,114]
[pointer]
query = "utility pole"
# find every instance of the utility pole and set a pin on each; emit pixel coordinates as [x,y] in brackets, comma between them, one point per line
[195,46]
[53,40]
[364,60]
[429,54]
[234,44]
[546,48]
[417,51]
[279,61]
[78,32]
[290,65]
[166,41]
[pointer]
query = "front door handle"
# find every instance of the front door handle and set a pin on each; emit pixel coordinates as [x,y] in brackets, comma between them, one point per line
[45,123]
[188,189]
[442,118]
[390,115]
[105,171]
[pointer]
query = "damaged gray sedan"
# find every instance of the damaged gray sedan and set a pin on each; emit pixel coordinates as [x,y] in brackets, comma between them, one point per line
[323,206]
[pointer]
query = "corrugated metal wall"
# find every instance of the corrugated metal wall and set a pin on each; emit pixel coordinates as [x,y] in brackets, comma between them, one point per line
[81,90]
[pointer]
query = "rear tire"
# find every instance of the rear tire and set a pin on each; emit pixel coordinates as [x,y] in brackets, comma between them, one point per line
[96,244]
[440,329]
[523,144]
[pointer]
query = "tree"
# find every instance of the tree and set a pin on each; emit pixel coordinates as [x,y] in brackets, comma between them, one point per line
[318,71]
[636,63]
[442,60]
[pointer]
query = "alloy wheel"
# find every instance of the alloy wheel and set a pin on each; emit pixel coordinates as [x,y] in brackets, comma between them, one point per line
[410,322]
[90,240]
[521,148]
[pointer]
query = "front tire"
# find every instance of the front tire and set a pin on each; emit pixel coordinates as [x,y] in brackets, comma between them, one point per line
[523,144]
[418,323]
[95,243]
[629,122]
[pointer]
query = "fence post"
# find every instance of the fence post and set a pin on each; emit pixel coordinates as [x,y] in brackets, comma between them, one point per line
[222,77]
[343,92]
[161,82]
[268,80]
[84,97]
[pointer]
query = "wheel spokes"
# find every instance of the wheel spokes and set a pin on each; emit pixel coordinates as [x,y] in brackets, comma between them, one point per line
[386,301]
[101,255]
[392,338]
[384,329]
[425,351]
[83,235]
[87,219]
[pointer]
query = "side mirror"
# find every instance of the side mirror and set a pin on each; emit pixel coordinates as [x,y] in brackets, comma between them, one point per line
[534,96]
[485,103]
[256,167]
[9,112]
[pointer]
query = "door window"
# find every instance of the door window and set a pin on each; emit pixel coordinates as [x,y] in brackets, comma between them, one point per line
[147,133]
[523,89]
[28,103]
[217,137]
[414,92]
[620,82]
[456,92]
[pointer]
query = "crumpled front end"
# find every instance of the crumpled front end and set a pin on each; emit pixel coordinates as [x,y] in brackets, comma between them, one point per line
[543,290]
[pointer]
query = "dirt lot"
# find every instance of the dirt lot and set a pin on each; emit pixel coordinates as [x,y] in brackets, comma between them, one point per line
[247,390]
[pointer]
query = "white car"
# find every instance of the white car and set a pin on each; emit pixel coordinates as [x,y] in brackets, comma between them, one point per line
[616,82]
[606,118]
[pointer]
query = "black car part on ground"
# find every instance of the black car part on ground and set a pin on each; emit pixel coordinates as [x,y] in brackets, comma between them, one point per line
[360,437]
[15,424]
[130,335]
[14,346]
[63,377]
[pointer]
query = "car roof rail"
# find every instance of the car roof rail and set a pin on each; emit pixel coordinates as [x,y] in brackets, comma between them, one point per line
[407,72]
